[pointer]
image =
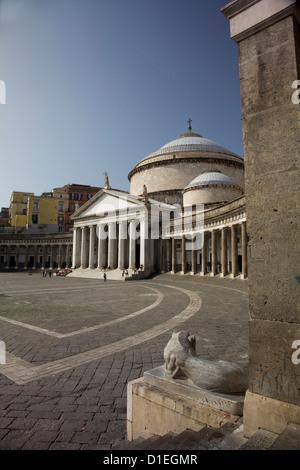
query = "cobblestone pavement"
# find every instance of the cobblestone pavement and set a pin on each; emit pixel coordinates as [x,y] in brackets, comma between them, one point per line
[72,345]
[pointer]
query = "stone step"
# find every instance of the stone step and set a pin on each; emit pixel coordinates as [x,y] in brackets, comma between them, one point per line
[228,437]
[261,440]
[289,439]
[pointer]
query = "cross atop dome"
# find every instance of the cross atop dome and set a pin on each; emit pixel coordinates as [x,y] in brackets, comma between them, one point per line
[190,127]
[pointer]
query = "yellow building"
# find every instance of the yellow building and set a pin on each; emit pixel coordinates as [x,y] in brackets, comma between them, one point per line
[46,213]
[18,209]
[39,214]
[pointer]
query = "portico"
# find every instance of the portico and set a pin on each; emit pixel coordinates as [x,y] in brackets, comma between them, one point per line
[119,232]
[111,232]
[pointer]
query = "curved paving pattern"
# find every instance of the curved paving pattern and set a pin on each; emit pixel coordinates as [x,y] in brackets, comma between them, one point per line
[21,371]
[65,382]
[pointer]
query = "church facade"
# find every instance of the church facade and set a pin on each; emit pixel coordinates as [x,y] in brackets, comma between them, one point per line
[185,213]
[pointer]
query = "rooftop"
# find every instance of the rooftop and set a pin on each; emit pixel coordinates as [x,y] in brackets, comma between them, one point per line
[190,141]
[211,177]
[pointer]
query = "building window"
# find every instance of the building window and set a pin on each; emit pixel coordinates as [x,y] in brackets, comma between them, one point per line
[72,207]
[89,196]
[61,207]
[35,205]
[35,218]
[60,220]
[79,196]
[72,195]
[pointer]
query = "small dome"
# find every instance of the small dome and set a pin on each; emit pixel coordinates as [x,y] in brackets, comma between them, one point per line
[211,177]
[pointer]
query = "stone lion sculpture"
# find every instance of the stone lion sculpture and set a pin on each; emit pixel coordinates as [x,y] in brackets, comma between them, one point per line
[216,376]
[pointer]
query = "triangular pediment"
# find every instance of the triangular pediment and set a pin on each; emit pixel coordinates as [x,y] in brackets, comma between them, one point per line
[107,201]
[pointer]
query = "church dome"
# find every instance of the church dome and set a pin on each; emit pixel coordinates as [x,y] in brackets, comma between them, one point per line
[211,188]
[167,171]
[190,142]
[211,177]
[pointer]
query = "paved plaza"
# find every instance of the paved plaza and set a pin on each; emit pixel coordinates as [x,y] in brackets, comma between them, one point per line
[72,345]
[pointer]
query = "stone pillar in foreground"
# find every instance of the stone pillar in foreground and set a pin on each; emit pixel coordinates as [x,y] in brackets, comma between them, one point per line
[267,33]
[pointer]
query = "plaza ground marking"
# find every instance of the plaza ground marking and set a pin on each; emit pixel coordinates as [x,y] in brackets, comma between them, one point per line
[160,297]
[22,372]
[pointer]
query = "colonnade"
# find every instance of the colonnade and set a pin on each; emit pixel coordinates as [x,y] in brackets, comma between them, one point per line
[35,255]
[116,245]
[223,252]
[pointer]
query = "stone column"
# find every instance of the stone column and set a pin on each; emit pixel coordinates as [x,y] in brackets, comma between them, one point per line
[35,255]
[224,252]
[173,254]
[194,258]
[112,246]
[83,263]
[244,250]
[92,247]
[53,255]
[76,247]
[132,245]
[234,252]
[168,254]
[99,248]
[44,256]
[144,245]
[268,36]
[122,244]
[67,256]
[204,255]
[59,256]
[214,253]
[102,248]
[7,256]
[26,256]
[17,257]
[183,255]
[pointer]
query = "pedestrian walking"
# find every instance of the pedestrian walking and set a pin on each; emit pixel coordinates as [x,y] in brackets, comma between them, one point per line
[104,277]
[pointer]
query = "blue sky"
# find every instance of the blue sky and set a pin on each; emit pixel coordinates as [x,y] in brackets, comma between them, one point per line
[97,85]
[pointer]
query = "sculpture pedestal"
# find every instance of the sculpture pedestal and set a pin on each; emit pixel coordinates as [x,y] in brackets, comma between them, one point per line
[157,405]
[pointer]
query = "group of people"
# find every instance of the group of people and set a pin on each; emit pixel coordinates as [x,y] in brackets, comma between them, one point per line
[45,273]
[124,272]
